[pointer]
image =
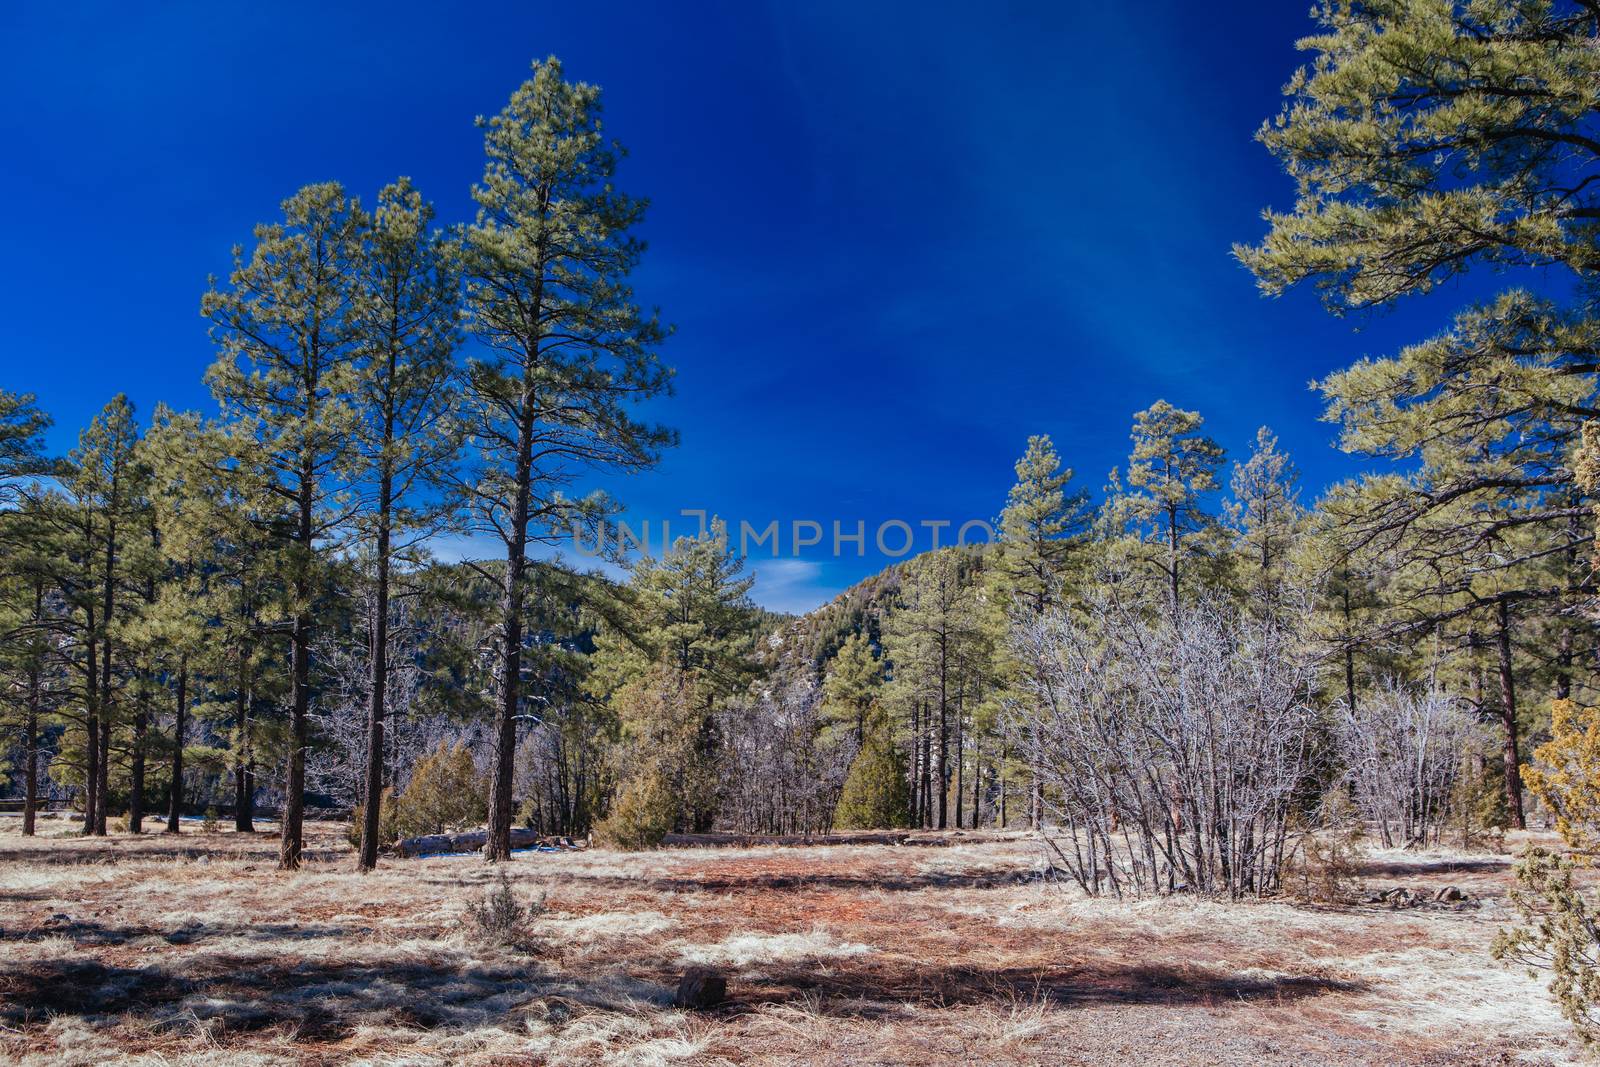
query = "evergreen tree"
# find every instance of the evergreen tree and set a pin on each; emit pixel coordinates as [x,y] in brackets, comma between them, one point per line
[406,327]
[690,625]
[1172,464]
[22,454]
[1425,139]
[30,681]
[286,328]
[850,691]
[26,580]
[107,492]
[875,795]
[219,613]
[1043,532]
[1043,524]
[1265,513]
[547,263]
[931,637]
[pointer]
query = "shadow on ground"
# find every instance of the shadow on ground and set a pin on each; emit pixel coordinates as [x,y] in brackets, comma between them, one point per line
[326,1000]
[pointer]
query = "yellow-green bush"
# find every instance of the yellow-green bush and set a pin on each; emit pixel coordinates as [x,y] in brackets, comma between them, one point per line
[445,793]
[388,824]
[643,814]
[1569,780]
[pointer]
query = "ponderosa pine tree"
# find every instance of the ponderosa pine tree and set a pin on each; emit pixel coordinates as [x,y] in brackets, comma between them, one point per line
[850,692]
[1265,513]
[691,628]
[25,578]
[406,336]
[29,681]
[568,353]
[107,489]
[1429,137]
[1043,529]
[930,638]
[1042,526]
[286,327]
[184,621]
[1172,464]
[1425,139]
[22,451]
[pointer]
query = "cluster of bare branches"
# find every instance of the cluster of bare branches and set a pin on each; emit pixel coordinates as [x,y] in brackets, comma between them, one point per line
[337,767]
[778,775]
[1401,750]
[1169,742]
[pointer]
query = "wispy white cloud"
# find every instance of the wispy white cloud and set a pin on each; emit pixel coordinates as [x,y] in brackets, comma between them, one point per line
[794,585]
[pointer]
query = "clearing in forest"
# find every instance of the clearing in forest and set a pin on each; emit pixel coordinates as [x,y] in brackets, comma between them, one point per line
[196,950]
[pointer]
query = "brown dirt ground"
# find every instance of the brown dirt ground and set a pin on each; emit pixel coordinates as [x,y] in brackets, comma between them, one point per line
[195,950]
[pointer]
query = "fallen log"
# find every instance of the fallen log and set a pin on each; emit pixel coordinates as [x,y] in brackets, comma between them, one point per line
[865,837]
[473,841]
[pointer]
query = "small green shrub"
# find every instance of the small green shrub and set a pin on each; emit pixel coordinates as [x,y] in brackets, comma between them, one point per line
[643,814]
[388,822]
[1560,937]
[445,793]
[875,795]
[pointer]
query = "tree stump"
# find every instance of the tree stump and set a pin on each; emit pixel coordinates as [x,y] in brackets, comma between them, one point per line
[700,989]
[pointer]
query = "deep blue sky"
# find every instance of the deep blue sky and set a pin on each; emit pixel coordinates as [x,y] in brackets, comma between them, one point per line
[895,239]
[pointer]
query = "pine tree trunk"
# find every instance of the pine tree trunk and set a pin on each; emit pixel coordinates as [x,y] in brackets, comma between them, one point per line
[108,595]
[497,846]
[244,793]
[141,723]
[1349,657]
[927,769]
[91,725]
[180,725]
[916,759]
[1172,558]
[103,791]
[373,798]
[1508,718]
[30,746]
[943,775]
[1005,754]
[977,777]
[960,762]
[294,788]
[30,752]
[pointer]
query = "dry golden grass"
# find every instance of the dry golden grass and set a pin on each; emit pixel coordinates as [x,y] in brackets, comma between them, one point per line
[195,950]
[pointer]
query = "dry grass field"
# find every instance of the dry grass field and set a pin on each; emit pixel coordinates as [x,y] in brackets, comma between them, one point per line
[196,951]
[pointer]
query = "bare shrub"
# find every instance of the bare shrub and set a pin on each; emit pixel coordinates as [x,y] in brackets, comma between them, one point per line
[1402,752]
[502,917]
[1169,743]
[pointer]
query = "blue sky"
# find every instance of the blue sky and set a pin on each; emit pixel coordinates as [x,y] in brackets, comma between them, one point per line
[895,239]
